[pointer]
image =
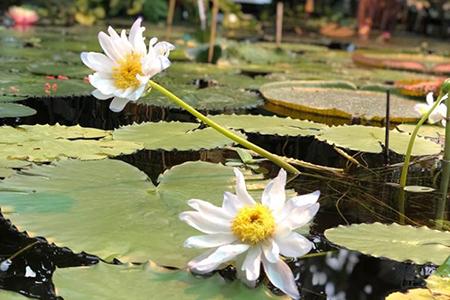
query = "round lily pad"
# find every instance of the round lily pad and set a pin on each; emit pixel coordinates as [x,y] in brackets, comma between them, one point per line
[339,102]
[172,136]
[398,242]
[14,110]
[148,281]
[371,139]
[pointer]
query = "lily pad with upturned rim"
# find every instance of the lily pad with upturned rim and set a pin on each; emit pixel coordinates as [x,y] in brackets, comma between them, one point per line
[398,242]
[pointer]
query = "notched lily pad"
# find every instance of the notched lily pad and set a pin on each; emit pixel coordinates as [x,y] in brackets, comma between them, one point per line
[342,103]
[398,242]
[371,139]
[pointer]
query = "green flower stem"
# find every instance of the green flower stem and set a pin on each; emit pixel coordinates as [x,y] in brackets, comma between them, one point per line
[272,157]
[445,177]
[404,174]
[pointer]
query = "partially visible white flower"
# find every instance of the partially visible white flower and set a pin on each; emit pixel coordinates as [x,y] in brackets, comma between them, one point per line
[252,232]
[123,73]
[438,114]
[4,265]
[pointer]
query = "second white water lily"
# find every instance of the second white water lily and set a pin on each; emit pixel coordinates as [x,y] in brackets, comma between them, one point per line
[438,114]
[126,67]
[253,232]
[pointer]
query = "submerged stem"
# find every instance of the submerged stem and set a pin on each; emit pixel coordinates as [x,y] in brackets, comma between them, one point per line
[243,142]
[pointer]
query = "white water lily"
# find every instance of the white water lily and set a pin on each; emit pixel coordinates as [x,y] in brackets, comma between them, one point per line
[126,67]
[254,232]
[438,114]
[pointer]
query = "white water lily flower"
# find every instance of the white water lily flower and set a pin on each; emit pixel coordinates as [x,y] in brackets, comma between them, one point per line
[256,232]
[438,114]
[123,73]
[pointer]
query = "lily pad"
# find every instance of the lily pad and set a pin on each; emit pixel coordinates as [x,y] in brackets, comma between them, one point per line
[44,143]
[171,136]
[371,139]
[427,131]
[269,125]
[398,242]
[111,209]
[7,295]
[14,110]
[342,103]
[147,281]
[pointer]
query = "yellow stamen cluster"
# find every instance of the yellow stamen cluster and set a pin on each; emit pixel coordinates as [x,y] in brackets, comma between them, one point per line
[124,74]
[253,224]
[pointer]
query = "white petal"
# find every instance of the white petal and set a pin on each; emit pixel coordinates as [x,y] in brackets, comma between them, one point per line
[271,250]
[123,46]
[252,264]
[137,93]
[294,245]
[281,276]
[221,255]
[209,210]
[136,39]
[153,65]
[99,95]
[205,224]
[98,62]
[103,83]
[274,195]
[422,108]
[231,203]
[241,189]
[209,240]
[430,98]
[301,216]
[163,48]
[118,104]
[295,202]
[109,47]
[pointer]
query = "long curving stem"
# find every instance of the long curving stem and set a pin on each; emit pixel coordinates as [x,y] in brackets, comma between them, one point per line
[404,174]
[272,157]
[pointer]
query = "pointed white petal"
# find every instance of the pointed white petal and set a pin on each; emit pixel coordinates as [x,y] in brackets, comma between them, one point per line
[231,203]
[136,39]
[118,104]
[205,224]
[295,202]
[103,83]
[301,216]
[421,108]
[281,276]
[123,46]
[98,62]
[99,95]
[430,98]
[137,93]
[209,240]
[252,263]
[221,255]
[294,245]
[109,47]
[271,250]
[209,210]
[274,195]
[163,48]
[241,189]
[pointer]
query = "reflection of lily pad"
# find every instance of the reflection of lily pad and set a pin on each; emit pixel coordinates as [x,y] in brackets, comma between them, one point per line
[269,125]
[339,102]
[371,139]
[14,110]
[171,136]
[112,209]
[45,143]
[148,281]
[394,241]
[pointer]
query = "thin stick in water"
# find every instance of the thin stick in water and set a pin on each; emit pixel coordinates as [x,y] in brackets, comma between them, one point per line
[279,24]
[388,125]
[212,38]
[169,20]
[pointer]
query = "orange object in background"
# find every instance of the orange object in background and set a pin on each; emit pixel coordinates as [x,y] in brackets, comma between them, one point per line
[22,16]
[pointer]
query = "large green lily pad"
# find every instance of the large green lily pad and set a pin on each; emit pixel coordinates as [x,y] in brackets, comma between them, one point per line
[14,110]
[269,125]
[371,139]
[7,295]
[339,102]
[171,136]
[398,242]
[111,209]
[147,281]
[44,143]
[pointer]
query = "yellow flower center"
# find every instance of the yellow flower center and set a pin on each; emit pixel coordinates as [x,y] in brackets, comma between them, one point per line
[253,224]
[124,74]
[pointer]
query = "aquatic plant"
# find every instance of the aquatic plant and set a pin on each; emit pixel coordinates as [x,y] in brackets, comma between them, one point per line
[264,230]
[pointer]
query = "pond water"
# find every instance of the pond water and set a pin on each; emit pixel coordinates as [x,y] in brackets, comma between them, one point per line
[366,193]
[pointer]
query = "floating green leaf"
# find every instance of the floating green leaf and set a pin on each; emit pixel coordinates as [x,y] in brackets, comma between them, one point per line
[113,282]
[14,110]
[427,131]
[171,136]
[43,143]
[339,102]
[398,242]
[371,139]
[269,125]
[7,295]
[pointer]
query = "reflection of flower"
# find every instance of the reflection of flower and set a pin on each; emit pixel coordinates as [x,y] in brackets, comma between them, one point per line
[262,230]
[438,114]
[23,16]
[123,73]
